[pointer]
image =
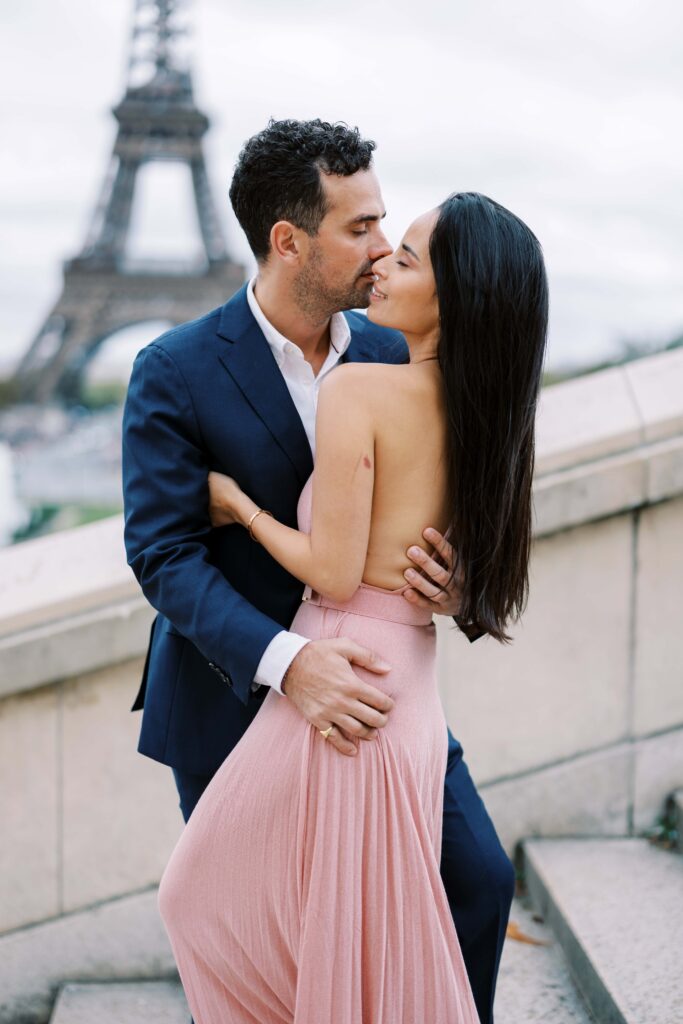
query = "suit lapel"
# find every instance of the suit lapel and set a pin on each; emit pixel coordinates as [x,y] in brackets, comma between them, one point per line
[250,362]
[359,349]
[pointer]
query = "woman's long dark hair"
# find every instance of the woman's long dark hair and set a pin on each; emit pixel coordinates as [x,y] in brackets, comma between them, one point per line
[493,307]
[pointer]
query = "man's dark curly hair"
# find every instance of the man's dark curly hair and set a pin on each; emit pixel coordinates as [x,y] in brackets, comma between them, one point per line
[277,176]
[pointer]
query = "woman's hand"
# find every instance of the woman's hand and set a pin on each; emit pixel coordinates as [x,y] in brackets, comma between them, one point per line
[227,500]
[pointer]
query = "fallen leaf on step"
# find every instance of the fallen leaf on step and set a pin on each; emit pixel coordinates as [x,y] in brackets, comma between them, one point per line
[513,931]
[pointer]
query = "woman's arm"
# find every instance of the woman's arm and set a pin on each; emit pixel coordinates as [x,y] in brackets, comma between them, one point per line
[332,557]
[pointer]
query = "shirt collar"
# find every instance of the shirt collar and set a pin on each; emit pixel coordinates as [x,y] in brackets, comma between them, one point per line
[340,332]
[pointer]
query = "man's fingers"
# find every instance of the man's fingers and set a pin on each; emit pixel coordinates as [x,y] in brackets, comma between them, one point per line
[340,741]
[345,733]
[365,656]
[417,599]
[419,583]
[366,696]
[355,729]
[362,719]
[438,572]
[439,542]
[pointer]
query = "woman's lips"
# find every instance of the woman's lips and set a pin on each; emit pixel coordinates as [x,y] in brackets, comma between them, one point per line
[376,294]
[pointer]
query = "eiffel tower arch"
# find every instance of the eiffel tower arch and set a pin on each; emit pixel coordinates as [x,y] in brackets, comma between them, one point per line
[102,290]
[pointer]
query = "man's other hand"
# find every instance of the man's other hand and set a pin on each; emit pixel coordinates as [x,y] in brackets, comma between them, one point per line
[321,683]
[435,571]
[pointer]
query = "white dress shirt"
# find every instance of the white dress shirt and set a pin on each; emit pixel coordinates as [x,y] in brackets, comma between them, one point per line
[303,386]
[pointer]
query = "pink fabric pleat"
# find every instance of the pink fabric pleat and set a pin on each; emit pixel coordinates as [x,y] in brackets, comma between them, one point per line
[305,888]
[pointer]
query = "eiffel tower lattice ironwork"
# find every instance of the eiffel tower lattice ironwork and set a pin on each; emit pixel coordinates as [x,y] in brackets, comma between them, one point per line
[103,291]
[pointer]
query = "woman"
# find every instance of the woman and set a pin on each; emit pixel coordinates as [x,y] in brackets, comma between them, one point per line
[338,912]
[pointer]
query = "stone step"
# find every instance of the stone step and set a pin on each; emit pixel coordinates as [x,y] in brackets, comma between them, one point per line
[120,1002]
[534,983]
[616,907]
[534,986]
[121,939]
[124,939]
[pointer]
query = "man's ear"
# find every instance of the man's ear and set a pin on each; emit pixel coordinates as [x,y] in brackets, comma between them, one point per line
[285,242]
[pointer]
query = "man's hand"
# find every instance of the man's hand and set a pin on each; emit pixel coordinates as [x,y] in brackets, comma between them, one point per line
[322,685]
[423,591]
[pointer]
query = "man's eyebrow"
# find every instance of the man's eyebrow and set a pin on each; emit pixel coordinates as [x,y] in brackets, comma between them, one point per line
[367,216]
[411,251]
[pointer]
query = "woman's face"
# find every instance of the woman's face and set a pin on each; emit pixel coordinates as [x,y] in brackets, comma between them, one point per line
[404,296]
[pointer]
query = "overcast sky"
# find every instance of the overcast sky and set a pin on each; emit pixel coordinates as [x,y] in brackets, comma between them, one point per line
[569,114]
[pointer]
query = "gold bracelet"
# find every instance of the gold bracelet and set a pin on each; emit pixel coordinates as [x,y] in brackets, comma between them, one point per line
[251,520]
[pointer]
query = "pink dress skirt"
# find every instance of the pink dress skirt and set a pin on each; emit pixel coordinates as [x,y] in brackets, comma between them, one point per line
[305,888]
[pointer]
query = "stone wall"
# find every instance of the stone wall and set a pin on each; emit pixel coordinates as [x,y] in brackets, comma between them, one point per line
[575,727]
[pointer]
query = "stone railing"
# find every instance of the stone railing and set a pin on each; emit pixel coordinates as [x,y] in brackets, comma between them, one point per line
[575,727]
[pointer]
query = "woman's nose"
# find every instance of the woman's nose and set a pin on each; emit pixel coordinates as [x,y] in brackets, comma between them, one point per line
[379,267]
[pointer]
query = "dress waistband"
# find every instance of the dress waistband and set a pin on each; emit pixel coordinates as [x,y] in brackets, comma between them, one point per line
[375,603]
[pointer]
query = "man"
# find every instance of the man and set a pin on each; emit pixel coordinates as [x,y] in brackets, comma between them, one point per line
[236,391]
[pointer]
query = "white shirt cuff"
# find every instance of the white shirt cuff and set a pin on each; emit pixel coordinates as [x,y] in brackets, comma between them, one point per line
[276,659]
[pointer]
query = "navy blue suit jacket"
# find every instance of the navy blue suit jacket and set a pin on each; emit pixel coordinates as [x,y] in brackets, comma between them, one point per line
[209,395]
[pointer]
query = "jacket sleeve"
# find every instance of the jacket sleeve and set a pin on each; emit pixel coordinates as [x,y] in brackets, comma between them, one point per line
[167,525]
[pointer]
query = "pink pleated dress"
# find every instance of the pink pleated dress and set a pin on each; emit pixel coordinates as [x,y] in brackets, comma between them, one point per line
[305,888]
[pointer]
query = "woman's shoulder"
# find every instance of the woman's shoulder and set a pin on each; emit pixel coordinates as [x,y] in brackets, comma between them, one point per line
[366,388]
[364,377]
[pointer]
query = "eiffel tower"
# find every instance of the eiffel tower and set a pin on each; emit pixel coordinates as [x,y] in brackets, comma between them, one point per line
[103,291]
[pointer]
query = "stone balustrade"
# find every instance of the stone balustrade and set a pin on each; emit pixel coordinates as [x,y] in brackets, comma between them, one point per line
[574,728]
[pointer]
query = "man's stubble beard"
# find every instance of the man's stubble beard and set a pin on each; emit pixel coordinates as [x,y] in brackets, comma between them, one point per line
[317,299]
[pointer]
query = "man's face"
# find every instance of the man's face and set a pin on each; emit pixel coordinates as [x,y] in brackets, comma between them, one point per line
[337,272]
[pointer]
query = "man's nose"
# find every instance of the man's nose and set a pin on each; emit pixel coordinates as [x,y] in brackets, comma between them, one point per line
[380,246]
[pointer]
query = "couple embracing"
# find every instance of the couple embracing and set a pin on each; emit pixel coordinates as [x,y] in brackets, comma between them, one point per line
[338,865]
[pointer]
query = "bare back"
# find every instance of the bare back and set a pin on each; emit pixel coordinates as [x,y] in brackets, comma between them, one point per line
[410,467]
